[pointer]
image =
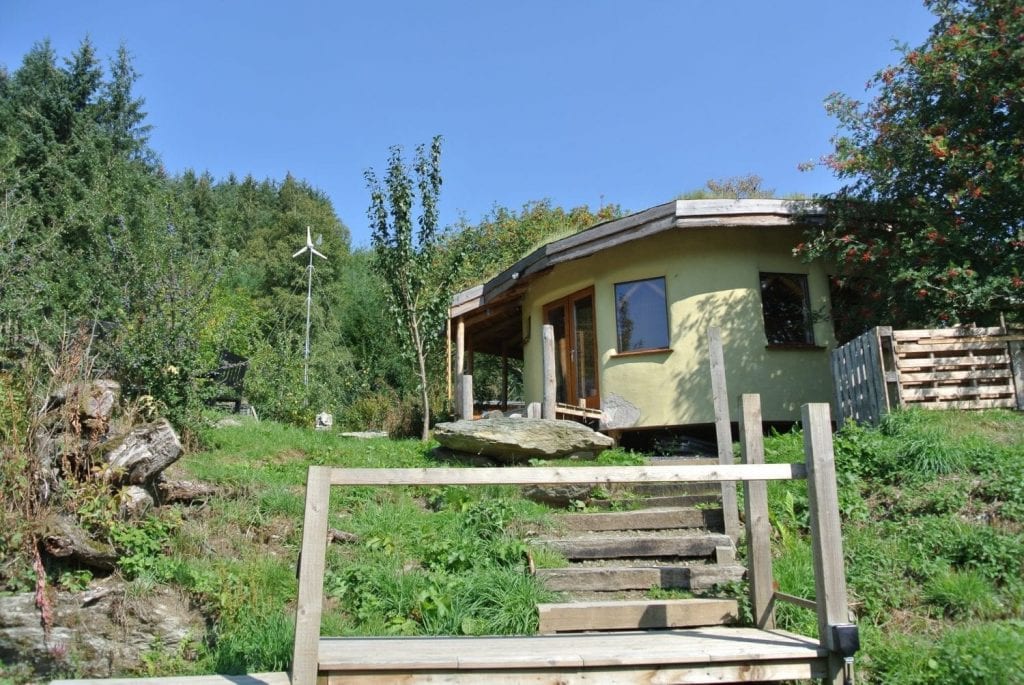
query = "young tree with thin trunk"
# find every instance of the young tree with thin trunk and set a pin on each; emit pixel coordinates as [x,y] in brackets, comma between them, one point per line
[418,282]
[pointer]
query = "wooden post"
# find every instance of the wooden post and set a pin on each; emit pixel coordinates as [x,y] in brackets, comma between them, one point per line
[755,507]
[1016,350]
[466,410]
[448,357]
[548,366]
[311,577]
[460,361]
[504,376]
[826,532]
[723,431]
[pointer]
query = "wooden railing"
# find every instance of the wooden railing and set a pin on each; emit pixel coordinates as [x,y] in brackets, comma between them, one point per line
[818,469]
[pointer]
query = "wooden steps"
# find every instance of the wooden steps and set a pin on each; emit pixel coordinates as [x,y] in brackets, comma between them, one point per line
[663,501]
[615,556]
[650,518]
[633,615]
[637,546]
[695,578]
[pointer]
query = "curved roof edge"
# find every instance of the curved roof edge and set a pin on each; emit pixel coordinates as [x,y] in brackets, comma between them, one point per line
[688,214]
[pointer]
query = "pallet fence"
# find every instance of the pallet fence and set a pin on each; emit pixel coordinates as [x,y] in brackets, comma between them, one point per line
[943,368]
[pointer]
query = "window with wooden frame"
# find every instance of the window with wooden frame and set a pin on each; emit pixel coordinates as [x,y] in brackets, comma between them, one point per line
[786,305]
[641,315]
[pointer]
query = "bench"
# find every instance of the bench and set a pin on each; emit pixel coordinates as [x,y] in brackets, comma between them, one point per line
[230,377]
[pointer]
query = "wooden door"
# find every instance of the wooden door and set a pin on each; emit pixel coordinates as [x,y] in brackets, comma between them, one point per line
[576,368]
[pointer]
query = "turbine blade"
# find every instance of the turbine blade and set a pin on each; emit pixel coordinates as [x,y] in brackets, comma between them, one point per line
[309,238]
[299,252]
[314,251]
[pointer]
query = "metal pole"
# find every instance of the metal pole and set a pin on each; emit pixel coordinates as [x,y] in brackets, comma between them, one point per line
[309,304]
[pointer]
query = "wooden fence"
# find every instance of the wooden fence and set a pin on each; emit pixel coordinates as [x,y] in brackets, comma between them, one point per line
[945,368]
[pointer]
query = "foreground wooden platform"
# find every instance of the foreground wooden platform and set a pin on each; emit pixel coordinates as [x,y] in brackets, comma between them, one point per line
[699,655]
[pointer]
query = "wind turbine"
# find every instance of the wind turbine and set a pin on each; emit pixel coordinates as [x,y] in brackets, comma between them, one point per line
[309,295]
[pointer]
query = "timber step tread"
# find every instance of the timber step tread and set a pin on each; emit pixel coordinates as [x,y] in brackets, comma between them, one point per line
[643,544]
[650,518]
[679,646]
[644,614]
[661,501]
[641,576]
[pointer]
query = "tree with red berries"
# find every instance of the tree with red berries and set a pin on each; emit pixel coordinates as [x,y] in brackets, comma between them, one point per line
[929,228]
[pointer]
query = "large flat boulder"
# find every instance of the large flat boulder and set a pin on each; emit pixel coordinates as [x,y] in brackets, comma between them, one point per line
[516,440]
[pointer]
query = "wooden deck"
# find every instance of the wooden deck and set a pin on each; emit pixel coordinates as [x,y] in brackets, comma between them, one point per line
[700,655]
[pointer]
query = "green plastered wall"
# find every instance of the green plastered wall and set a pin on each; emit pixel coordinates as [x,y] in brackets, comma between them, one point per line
[711,279]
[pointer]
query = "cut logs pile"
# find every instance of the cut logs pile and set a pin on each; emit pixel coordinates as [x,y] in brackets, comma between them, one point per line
[79,438]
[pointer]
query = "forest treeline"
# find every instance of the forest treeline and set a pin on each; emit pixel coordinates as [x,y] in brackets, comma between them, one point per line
[160,272]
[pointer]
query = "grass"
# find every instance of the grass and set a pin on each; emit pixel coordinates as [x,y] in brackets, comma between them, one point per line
[932,506]
[932,531]
[427,561]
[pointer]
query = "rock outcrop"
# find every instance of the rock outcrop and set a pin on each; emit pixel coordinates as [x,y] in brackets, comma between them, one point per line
[102,632]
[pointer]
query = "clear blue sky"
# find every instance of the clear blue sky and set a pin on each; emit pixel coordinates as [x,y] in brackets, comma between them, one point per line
[578,101]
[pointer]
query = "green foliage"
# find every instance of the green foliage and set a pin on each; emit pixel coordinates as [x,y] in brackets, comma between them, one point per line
[927,230]
[748,186]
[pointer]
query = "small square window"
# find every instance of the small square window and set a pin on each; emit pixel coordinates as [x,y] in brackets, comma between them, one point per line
[641,315]
[786,303]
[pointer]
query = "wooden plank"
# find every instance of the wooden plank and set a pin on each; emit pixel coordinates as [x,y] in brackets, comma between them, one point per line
[667,501]
[635,614]
[723,430]
[873,371]
[697,674]
[712,644]
[838,385]
[311,576]
[1016,350]
[755,506]
[548,369]
[918,333]
[957,392]
[657,518]
[953,363]
[885,335]
[636,546]
[947,348]
[826,531]
[618,578]
[534,475]
[460,358]
[935,376]
[1005,403]
[798,601]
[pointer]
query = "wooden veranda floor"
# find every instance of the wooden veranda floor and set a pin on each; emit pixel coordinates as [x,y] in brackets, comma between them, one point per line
[701,655]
